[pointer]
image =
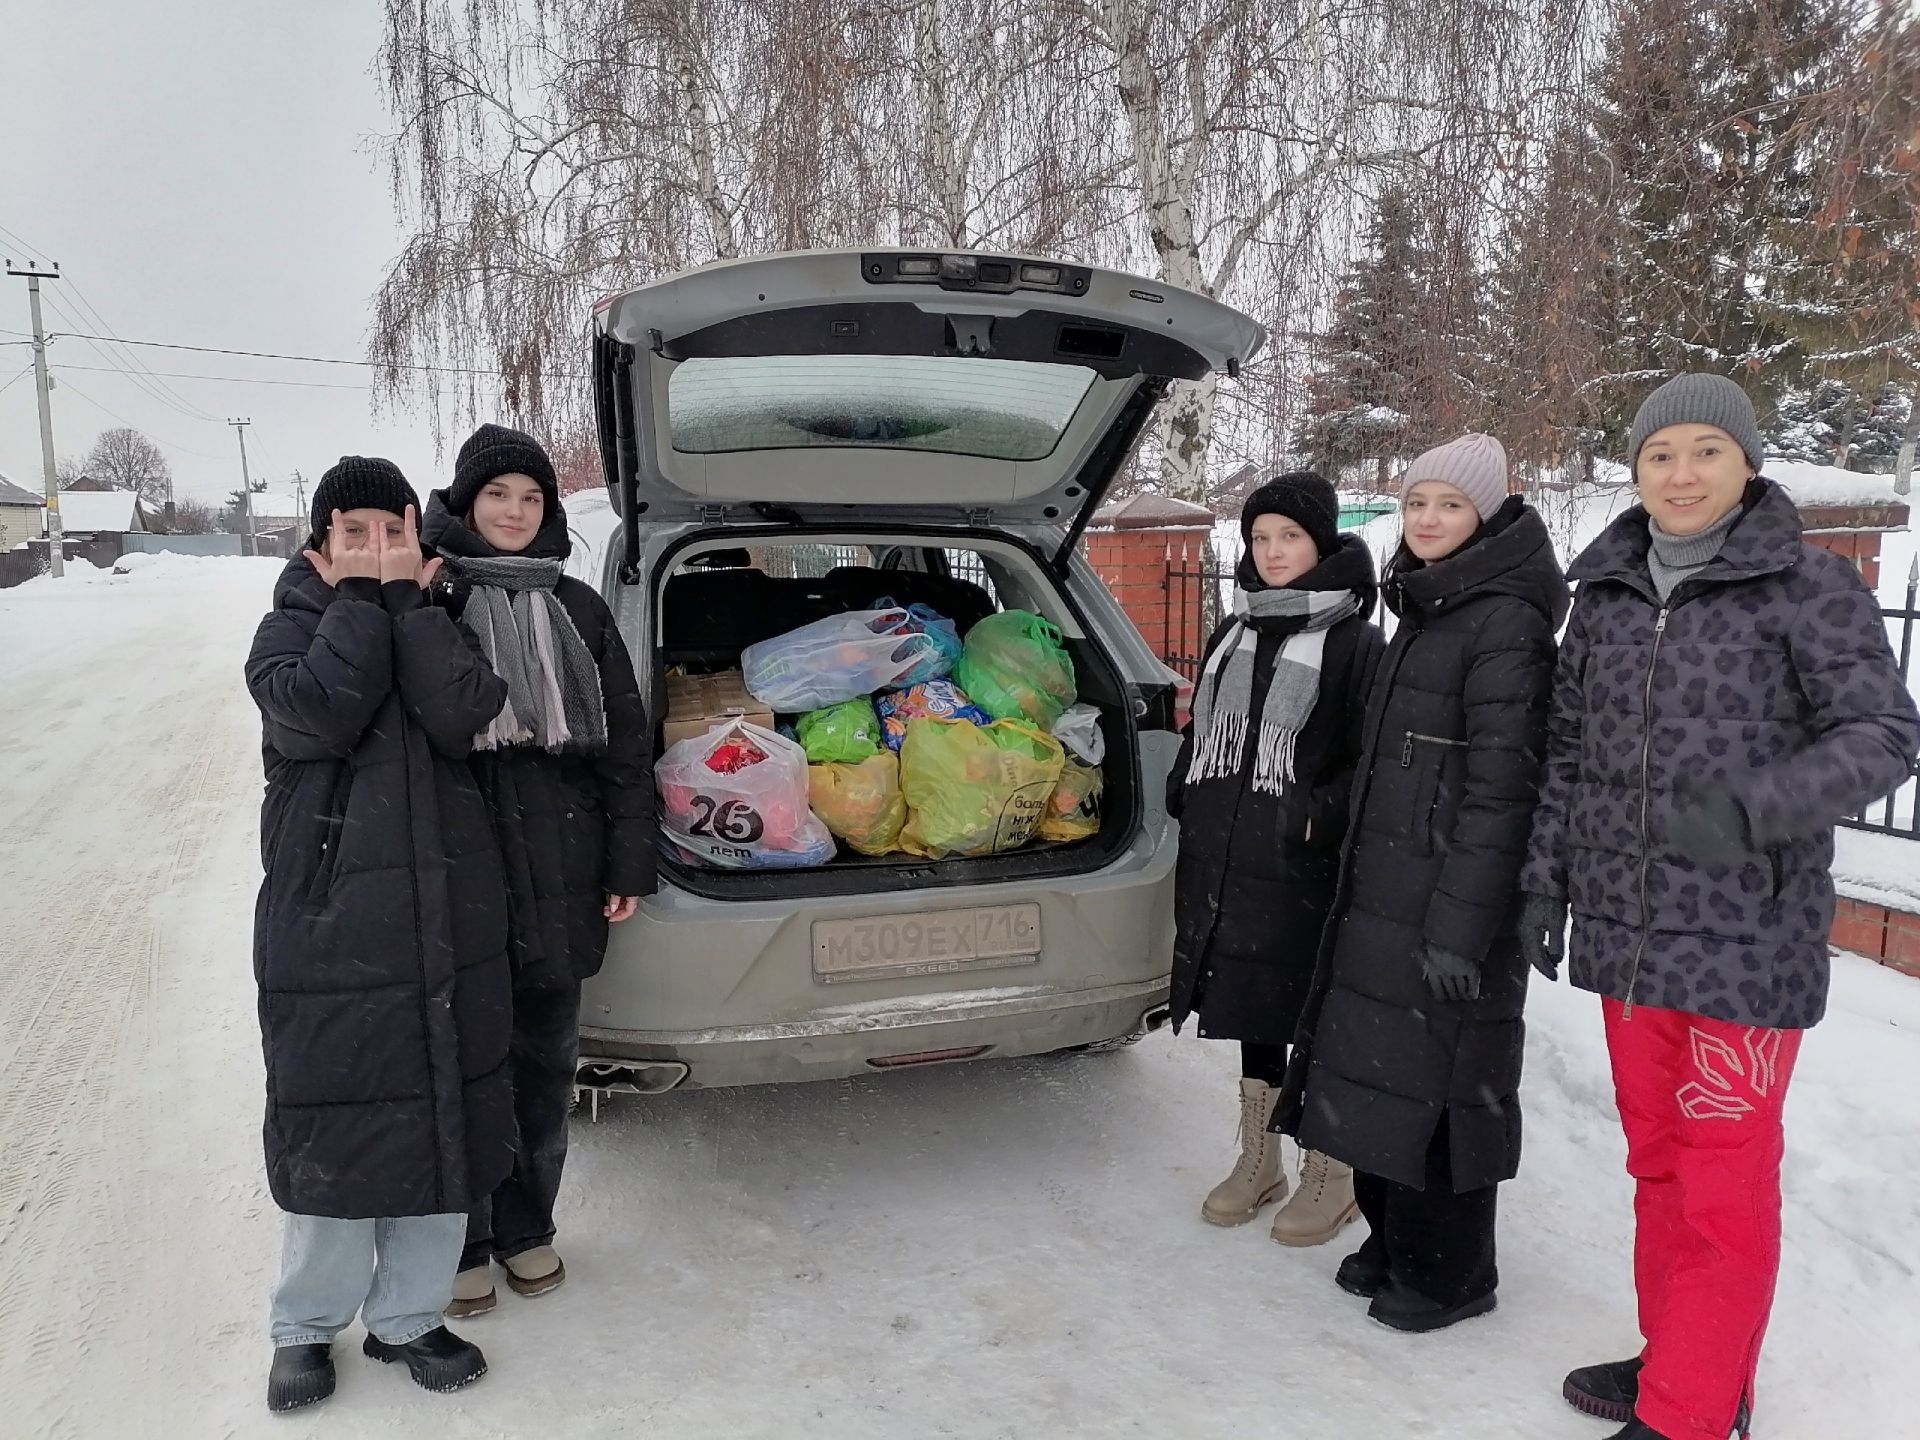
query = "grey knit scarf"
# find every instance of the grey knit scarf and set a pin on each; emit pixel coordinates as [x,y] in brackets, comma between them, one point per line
[553,686]
[1223,700]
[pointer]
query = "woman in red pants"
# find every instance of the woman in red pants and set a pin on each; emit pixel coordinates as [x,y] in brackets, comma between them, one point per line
[1725,693]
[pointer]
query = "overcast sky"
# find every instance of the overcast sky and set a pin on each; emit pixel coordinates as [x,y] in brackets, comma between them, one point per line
[206,173]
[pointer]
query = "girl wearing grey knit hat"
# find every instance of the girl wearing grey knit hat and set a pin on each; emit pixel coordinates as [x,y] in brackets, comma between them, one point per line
[1408,1063]
[1726,693]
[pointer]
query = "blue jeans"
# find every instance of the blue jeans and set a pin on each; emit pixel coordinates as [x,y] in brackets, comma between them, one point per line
[396,1273]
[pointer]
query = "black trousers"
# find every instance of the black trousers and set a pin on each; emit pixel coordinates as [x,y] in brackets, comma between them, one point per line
[1263,1062]
[1433,1241]
[519,1214]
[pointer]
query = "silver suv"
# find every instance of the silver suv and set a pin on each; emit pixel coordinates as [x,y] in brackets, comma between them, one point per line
[799,435]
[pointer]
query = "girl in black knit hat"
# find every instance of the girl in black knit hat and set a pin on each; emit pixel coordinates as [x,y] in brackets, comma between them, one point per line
[563,767]
[379,943]
[1260,789]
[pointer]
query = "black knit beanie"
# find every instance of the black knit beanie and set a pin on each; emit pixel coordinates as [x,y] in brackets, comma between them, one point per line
[360,482]
[493,451]
[1304,498]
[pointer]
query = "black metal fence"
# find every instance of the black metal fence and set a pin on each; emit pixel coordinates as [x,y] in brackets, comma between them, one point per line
[1898,814]
[1197,596]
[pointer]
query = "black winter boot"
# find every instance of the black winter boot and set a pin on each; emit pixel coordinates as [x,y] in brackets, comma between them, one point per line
[301,1375]
[1606,1392]
[438,1360]
[1408,1310]
[1637,1429]
[1361,1274]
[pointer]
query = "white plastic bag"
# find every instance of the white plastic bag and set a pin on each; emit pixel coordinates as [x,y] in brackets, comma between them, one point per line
[845,657]
[755,818]
[1078,731]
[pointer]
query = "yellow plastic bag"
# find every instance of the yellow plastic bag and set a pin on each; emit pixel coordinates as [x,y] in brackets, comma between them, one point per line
[860,803]
[975,789]
[1074,811]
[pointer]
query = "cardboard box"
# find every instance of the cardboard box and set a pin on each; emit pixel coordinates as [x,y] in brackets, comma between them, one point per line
[697,703]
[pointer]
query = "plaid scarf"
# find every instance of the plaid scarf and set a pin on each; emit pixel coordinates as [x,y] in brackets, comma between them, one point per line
[1223,700]
[553,686]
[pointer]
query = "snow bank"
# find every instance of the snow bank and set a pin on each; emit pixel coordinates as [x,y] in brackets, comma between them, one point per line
[1877,869]
[1812,485]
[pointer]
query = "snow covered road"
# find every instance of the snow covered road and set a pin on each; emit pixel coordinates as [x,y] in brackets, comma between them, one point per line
[1001,1250]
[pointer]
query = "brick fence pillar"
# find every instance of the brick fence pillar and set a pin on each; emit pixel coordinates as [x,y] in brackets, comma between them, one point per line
[1151,552]
[1853,531]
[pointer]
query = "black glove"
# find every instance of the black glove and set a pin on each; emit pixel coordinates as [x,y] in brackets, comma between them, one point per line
[1449,976]
[1543,933]
[1710,826]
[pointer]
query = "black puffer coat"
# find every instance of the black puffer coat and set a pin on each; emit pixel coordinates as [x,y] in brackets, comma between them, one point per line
[381,929]
[573,828]
[1256,873]
[1444,795]
[1768,674]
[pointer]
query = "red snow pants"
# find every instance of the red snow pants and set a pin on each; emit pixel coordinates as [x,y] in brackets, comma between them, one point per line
[1700,1101]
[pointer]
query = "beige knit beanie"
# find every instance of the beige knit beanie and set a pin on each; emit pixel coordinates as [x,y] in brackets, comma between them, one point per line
[1475,465]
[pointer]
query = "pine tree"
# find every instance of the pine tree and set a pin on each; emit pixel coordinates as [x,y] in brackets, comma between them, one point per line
[1699,119]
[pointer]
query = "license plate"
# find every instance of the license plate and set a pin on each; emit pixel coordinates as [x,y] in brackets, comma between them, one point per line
[926,942]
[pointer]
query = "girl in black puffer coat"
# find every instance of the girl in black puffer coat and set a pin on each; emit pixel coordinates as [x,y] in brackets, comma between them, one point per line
[1409,1065]
[563,767]
[379,943]
[1263,807]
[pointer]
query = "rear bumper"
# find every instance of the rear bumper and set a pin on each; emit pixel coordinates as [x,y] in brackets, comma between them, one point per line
[860,1039]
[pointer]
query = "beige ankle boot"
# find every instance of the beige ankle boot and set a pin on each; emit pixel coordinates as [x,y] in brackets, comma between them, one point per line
[1321,1206]
[1256,1180]
[535,1271]
[472,1293]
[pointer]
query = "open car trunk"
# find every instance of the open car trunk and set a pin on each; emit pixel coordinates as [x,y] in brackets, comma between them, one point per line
[715,592]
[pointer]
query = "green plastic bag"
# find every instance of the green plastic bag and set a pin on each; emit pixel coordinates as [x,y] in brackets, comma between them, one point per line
[1015,666]
[975,789]
[843,734]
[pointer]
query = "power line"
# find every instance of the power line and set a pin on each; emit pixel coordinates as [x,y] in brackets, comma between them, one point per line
[153,389]
[228,379]
[116,415]
[311,359]
[24,370]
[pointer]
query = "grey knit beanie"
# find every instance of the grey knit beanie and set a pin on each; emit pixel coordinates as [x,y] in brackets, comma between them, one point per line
[1699,400]
[1475,465]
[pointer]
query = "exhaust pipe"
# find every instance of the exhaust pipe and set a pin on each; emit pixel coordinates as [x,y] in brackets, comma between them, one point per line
[595,1078]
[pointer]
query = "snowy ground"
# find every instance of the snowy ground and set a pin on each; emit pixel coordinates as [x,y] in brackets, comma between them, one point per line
[1001,1250]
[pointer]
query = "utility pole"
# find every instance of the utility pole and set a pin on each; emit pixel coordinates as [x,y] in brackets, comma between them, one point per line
[43,383]
[246,489]
[300,492]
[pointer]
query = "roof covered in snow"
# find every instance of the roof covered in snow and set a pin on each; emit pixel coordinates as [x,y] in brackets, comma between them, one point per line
[12,494]
[100,512]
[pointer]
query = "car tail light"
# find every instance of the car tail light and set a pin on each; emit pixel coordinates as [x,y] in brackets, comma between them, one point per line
[1182,703]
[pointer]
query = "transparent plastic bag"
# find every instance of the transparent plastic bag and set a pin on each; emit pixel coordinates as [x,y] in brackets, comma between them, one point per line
[721,807]
[1078,731]
[975,789]
[1073,812]
[1015,666]
[845,657]
[862,803]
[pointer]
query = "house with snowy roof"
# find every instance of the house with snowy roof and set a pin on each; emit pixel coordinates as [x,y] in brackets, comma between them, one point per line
[96,514]
[22,515]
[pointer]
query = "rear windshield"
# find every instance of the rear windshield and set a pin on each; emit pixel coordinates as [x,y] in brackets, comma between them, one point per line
[995,409]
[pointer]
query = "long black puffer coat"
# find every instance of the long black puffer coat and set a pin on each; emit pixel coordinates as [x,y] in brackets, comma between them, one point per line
[1256,872]
[381,929]
[1444,795]
[1767,673]
[573,828]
